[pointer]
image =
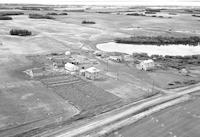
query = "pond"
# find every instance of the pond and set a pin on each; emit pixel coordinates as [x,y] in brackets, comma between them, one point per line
[173,50]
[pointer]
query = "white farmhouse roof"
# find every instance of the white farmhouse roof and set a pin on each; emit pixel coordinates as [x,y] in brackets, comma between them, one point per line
[92,70]
[71,67]
[148,61]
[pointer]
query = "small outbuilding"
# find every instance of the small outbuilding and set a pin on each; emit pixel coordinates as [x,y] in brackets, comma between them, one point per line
[35,72]
[58,64]
[116,58]
[71,67]
[67,53]
[128,58]
[184,71]
[146,65]
[98,53]
[92,73]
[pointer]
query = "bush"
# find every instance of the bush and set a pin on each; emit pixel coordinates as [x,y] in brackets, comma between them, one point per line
[88,22]
[19,32]
[5,18]
[39,16]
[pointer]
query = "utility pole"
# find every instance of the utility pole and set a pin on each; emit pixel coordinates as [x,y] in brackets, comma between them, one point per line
[107,65]
[152,87]
[117,76]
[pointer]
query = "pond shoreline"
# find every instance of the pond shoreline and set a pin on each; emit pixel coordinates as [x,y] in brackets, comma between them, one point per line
[171,50]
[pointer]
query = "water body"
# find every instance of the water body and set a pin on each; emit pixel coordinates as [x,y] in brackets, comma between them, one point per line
[173,50]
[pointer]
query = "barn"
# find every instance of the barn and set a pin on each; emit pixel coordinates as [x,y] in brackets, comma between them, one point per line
[146,65]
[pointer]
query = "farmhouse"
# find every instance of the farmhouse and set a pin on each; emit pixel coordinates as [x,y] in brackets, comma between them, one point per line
[71,67]
[35,72]
[92,73]
[116,58]
[146,65]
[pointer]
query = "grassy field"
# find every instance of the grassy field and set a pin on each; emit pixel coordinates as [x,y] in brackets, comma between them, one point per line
[182,120]
[29,102]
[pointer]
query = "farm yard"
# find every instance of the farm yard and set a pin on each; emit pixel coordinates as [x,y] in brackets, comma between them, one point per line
[182,120]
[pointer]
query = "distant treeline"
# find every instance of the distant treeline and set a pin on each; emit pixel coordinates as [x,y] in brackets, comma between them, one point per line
[10,13]
[20,32]
[40,16]
[141,14]
[38,8]
[194,15]
[153,10]
[54,13]
[135,14]
[177,62]
[5,18]
[88,22]
[159,40]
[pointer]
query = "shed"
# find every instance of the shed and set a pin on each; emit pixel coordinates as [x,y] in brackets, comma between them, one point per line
[71,67]
[58,64]
[35,72]
[184,71]
[147,65]
[92,73]
[98,53]
[116,58]
[128,58]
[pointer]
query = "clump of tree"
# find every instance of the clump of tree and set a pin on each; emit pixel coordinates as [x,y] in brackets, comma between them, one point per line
[5,18]
[194,15]
[20,32]
[177,62]
[159,40]
[39,16]
[160,17]
[64,13]
[10,13]
[31,8]
[88,22]
[152,10]
[52,13]
[135,14]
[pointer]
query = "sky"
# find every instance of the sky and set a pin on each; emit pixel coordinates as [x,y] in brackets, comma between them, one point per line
[109,2]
